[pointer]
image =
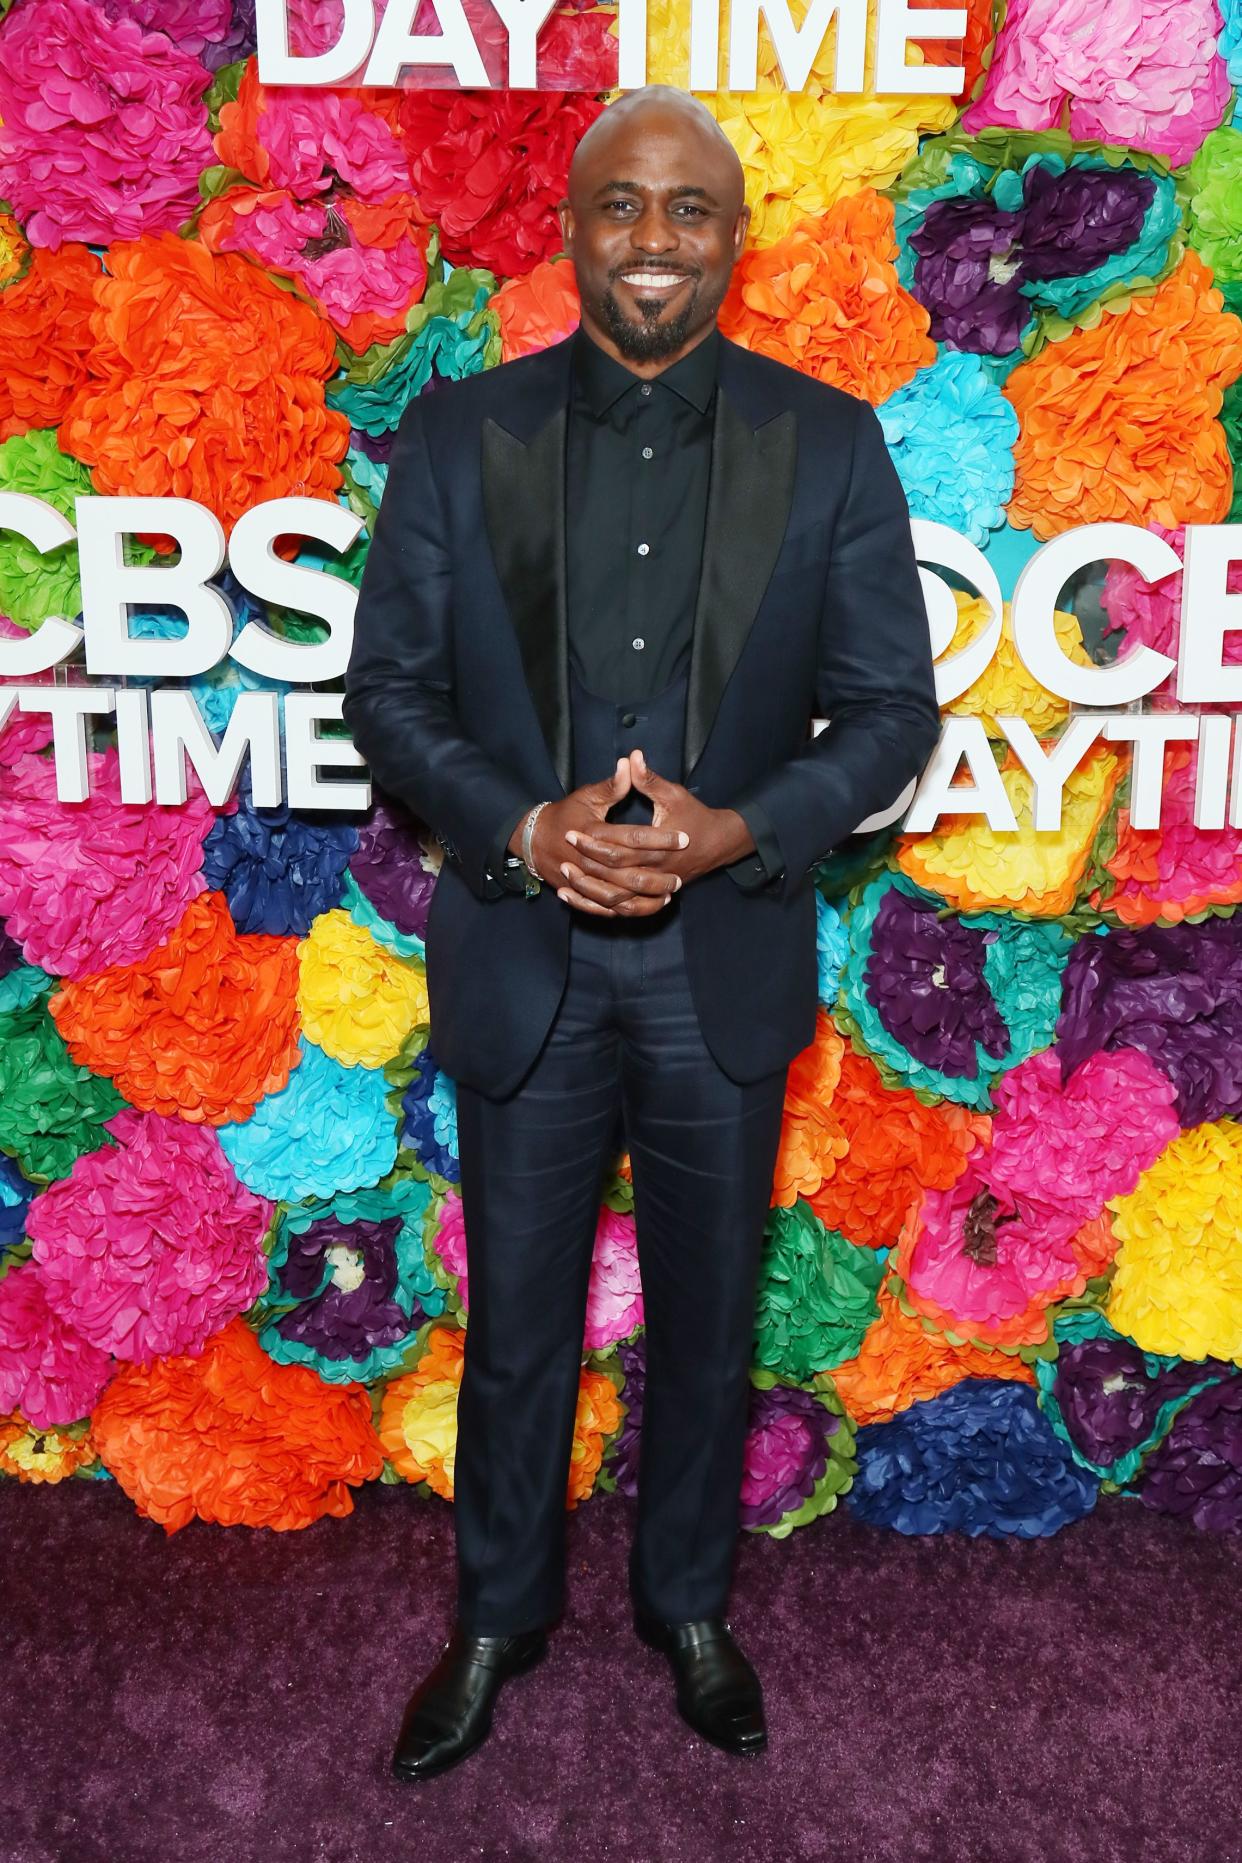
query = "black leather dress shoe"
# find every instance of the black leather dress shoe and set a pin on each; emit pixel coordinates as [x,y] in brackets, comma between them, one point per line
[450,1712]
[718,1692]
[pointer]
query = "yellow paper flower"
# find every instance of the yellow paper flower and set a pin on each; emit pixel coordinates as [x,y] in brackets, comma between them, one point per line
[358,1000]
[801,150]
[1178,1281]
[418,1419]
[1006,688]
[38,1455]
[1037,874]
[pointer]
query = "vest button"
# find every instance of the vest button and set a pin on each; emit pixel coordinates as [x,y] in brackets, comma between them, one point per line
[629,718]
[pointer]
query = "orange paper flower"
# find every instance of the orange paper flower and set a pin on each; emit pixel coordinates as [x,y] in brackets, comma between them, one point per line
[202,1028]
[902,1362]
[1119,421]
[826,300]
[233,1438]
[45,334]
[537,309]
[892,1146]
[811,1139]
[207,382]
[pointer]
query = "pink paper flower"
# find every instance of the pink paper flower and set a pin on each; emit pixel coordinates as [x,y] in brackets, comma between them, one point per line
[150,1246]
[104,129]
[614,1291]
[1175,871]
[121,875]
[25,731]
[1141,72]
[1149,613]
[303,138]
[48,1371]
[1025,1224]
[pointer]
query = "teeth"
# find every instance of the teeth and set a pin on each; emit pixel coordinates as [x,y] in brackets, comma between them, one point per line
[658,279]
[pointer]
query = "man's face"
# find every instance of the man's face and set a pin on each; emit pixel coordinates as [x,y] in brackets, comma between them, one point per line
[654,223]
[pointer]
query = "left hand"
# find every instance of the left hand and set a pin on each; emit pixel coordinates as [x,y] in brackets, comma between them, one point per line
[716,837]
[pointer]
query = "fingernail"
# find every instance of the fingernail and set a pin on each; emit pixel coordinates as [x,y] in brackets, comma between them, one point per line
[562,892]
[683,839]
[676,882]
[565,868]
[572,837]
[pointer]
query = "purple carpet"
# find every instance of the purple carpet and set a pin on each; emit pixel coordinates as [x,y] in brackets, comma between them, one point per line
[233,1695]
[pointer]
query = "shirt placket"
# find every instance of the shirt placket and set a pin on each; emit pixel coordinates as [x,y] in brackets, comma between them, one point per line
[642,553]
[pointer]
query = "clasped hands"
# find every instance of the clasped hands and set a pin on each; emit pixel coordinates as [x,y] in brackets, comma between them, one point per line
[631,870]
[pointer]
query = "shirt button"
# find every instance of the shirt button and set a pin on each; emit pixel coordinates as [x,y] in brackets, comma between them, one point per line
[644,549]
[645,389]
[638,641]
[647,452]
[629,718]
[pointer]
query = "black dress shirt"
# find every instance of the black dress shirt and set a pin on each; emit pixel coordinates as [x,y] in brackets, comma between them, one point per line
[637,467]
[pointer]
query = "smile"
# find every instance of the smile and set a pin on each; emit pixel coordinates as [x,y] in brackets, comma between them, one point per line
[654,281]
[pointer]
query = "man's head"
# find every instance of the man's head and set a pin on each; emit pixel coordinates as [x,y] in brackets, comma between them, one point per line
[654,221]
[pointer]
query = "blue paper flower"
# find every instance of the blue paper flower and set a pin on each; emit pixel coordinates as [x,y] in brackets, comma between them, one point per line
[950,433]
[278,870]
[328,1130]
[429,1117]
[980,1458]
[217,691]
[15,1195]
[832,944]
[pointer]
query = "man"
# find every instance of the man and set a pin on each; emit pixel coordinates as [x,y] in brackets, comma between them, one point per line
[609,588]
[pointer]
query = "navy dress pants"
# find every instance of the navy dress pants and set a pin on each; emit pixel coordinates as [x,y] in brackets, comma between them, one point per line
[625,1043]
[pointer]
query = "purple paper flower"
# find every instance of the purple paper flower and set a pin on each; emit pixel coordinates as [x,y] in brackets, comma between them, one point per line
[355,1311]
[10,953]
[388,866]
[974,258]
[925,976]
[1175,993]
[1197,1470]
[1110,1401]
[788,1447]
[621,1457]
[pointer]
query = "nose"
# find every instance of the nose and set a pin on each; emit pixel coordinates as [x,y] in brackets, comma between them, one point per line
[653,231]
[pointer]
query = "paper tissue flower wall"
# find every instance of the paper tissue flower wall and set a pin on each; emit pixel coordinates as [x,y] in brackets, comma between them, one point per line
[1000,1275]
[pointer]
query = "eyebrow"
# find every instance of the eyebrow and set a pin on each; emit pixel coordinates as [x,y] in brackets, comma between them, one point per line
[635,187]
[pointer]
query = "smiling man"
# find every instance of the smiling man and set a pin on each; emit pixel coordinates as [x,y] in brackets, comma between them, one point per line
[610,586]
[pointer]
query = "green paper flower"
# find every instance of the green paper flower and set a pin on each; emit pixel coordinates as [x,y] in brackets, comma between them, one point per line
[817,1294]
[51,1110]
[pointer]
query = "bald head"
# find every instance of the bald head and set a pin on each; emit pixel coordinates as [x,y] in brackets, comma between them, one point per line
[665,107]
[654,220]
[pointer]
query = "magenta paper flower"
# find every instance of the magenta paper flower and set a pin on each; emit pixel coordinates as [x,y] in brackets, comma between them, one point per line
[1077,1145]
[204,29]
[614,1291]
[1149,613]
[304,139]
[150,1246]
[1025,1224]
[316,244]
[103,128]
[48,1371]
[1175,871]
[25,731]
[121,875]
[1140,72]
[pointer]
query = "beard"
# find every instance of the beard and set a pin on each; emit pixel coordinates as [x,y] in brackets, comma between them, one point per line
[651,339]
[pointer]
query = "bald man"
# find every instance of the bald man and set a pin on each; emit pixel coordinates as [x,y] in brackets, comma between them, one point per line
[610,586]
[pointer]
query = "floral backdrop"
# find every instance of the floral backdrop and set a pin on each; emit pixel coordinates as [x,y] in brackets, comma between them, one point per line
[1003,1263]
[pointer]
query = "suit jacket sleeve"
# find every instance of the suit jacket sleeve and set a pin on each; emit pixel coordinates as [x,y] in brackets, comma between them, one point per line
[755,870]
[875,681]
[398,701]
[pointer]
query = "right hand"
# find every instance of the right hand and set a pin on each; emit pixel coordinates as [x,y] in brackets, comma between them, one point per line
[641,891]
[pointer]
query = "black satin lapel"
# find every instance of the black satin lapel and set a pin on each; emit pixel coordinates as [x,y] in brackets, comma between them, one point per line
[749,495]
[524,510]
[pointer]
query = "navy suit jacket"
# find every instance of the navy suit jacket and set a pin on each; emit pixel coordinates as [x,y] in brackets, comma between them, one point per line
[457,689]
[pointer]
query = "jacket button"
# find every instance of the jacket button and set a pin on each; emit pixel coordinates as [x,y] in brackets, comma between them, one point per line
[629,718]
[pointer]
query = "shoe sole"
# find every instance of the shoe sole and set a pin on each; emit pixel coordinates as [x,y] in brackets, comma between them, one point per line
[416,1775]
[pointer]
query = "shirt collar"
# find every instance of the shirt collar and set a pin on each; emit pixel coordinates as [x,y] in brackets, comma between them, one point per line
[602,379]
